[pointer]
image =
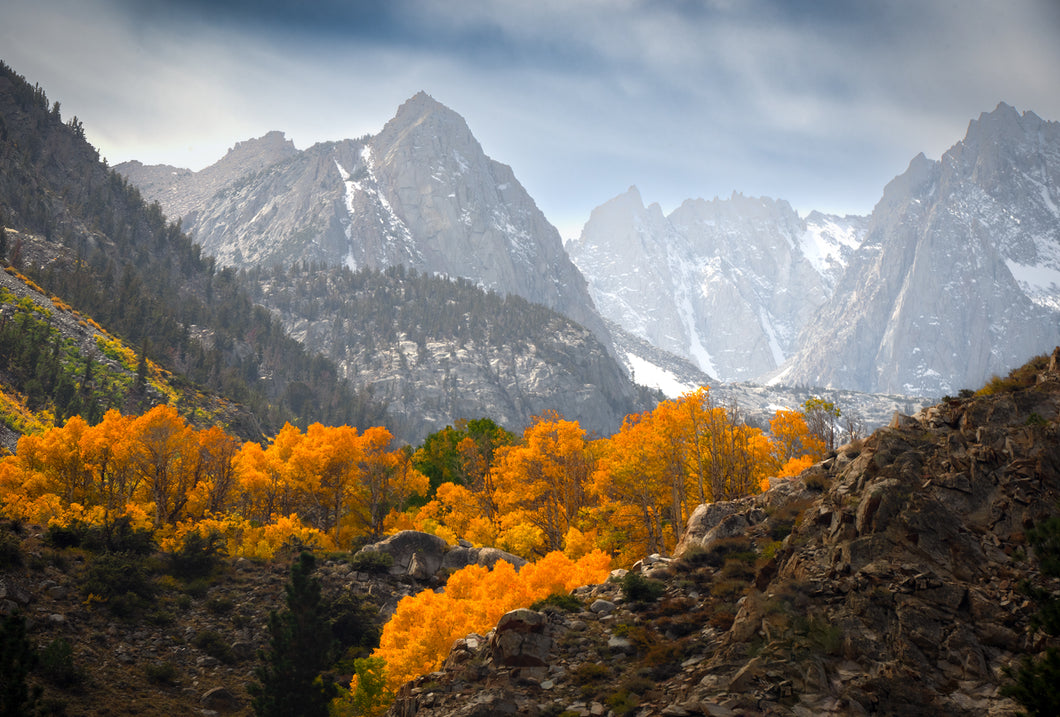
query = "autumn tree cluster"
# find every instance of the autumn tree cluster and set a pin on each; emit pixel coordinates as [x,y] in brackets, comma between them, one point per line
[555,488]
[630,495]
[325,486]
[418,637]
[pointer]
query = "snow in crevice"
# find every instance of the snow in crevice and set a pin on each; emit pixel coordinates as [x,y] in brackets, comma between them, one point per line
[771,336]
[696,349]
[824,244]
[351,188]
[1040,283]
[1049,203]
[461,162]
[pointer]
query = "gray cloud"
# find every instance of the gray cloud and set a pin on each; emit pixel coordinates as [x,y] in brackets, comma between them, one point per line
[819,103]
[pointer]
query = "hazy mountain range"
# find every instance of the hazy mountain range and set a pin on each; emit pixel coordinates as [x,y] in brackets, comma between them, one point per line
[953,276]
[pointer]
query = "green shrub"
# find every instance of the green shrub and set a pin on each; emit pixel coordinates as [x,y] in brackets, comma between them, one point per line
[637,588]
[353,622]
[737,570]
[695,557]
[198,556]
[161,673]
[372,561]
[728,590]
[623,703]
[17,658]
[220,605]
[590,673]
[738,548]
[64,536]
[57,664]
[10,551]
[214,645]
[122,580]
[563,603]
[119,537]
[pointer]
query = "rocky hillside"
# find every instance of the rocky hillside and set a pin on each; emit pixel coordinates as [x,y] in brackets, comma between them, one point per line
[421,193]
[126,630]
[884,580]
[436,350]
[82,233]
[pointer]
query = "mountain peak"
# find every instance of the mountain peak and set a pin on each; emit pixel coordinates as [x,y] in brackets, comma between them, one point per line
[421,105]
[1004,121]
[258,153]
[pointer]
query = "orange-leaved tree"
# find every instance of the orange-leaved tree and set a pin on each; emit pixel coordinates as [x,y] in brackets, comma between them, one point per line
[542,483]
[795,448]
[418,637]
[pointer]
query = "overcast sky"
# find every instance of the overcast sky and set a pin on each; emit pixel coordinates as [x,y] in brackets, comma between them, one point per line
[820,103]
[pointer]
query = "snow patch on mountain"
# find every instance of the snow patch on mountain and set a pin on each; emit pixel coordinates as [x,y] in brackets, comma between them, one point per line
[646,373]
[1040,282]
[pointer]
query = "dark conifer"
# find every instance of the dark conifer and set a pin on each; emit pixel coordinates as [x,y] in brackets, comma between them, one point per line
[17,658]
[290,681]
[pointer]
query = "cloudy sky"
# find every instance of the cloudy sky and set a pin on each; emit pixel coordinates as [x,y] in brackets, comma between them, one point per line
[820,103]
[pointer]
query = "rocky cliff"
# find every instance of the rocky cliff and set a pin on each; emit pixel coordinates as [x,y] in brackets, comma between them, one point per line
[884,580]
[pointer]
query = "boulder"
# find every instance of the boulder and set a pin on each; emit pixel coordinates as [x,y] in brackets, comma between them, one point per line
[521,639]
[412,550]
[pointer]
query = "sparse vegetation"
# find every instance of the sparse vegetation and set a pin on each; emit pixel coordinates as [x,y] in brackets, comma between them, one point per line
[560,602]
[57,663]
[639,589]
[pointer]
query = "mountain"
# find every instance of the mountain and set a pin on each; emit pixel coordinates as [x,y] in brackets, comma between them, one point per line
[955,276]
[958,276]
[421,193]
[313,229]
[888,579]
[727,284]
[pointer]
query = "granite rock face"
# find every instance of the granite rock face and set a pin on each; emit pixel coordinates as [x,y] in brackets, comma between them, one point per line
[958,276]
[954,277]
[727,284]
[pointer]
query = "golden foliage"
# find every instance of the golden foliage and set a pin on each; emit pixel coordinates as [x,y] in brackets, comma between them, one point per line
[418,637]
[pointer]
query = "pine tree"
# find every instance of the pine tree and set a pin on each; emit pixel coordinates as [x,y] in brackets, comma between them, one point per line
[299,645]
[1037,681]
[17,658]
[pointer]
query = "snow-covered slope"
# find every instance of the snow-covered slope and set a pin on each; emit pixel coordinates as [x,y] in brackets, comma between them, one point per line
[726,284]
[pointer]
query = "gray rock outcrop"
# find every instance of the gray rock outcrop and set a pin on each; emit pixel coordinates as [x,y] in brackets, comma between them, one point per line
[422,555]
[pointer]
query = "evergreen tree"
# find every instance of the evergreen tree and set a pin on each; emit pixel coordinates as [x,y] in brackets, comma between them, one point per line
[290,684]
[17,658]
[1037,685]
